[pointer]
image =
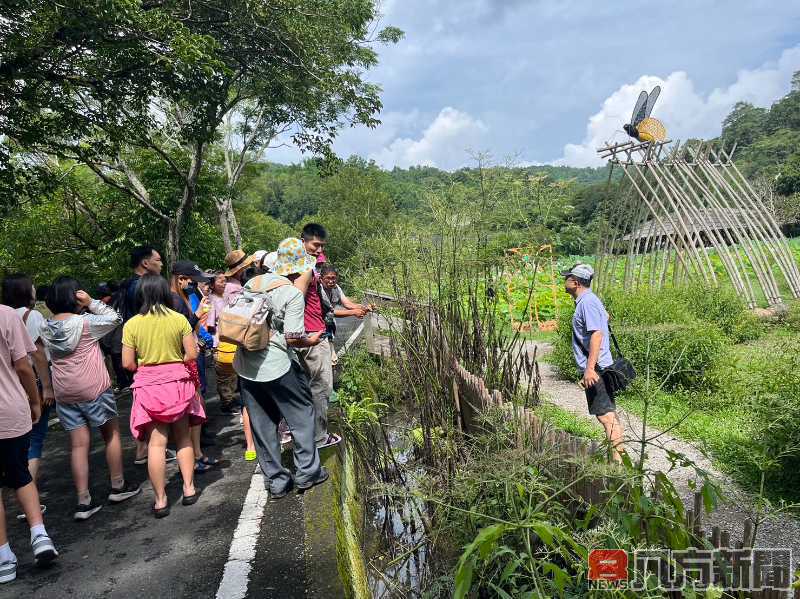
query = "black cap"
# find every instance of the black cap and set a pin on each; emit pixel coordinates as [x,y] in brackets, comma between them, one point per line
[104,289]
[187,268]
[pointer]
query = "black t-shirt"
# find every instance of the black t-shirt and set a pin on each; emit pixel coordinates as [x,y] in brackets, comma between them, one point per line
[125,300]
[180,306]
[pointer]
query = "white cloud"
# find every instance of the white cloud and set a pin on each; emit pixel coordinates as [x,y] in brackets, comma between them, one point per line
[443,144]
[684,112]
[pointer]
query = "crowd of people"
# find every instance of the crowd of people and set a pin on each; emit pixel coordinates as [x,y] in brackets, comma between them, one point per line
[157,337]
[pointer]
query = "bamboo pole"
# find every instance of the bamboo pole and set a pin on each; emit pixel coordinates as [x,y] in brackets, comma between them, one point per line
[769,227]
[681,208]
[684,234]
[746,289]
[761,265]
[770,219]
[717,241]
[655,215]
[734,226]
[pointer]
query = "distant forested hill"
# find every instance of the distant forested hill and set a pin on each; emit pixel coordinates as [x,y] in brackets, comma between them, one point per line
[768,148]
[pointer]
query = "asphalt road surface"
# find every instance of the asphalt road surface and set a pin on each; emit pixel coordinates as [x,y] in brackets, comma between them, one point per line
[123,551]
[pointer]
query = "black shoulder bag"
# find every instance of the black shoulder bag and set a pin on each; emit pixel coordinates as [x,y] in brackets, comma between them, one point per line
[619,375]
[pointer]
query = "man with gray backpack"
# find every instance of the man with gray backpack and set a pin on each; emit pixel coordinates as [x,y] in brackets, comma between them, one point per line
[267,324]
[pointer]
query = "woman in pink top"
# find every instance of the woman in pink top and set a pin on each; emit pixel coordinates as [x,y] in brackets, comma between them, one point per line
[82,386]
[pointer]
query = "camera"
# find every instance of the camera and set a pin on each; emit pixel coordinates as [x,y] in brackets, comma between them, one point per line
[330,326]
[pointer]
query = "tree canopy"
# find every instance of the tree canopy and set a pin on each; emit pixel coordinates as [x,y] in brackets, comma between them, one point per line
[98,83]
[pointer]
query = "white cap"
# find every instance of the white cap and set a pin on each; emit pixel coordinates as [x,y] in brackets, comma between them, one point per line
[270,260]
[581,271]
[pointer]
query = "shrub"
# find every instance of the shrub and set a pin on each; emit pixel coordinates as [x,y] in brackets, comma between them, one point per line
[724,308]
[791,319]
[681,353]
[678,354]
[646,306]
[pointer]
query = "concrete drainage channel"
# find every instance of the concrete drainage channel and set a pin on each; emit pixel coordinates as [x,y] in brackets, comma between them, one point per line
[305,545]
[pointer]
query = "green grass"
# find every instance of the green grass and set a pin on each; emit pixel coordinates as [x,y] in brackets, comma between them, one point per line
[575,424]
[723,435]
[719,420]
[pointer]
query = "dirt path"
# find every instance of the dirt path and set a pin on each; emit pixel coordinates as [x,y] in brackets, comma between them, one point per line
[782,531]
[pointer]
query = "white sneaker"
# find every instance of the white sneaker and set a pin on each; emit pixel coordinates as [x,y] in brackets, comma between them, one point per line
[85,511]
[44,551]
[22,517]
[8,571]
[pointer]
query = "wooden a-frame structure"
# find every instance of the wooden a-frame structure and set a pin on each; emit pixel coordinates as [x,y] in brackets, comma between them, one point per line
[688,213]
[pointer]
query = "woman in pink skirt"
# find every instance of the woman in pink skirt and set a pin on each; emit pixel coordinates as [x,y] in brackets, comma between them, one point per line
[157,344]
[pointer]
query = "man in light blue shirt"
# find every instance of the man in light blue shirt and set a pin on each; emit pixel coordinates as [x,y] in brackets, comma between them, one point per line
[592,352]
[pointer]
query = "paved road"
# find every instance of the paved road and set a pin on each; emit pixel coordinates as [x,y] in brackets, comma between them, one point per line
[122,551]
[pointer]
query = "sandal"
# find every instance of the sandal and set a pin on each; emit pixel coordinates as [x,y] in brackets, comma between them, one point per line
[205,464]
[190,499]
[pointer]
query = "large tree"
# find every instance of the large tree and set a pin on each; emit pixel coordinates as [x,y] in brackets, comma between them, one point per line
[110,83]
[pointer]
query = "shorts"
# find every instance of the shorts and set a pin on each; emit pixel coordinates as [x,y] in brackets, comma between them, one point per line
[88,413]
[38,434]
[599,399]
[14,471]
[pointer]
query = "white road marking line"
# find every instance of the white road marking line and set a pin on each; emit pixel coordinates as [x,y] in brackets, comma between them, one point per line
[236,576]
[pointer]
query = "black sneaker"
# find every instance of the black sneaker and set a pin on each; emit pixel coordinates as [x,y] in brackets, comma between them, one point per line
[84,512]
[321,478]
[127,491]
[273,497]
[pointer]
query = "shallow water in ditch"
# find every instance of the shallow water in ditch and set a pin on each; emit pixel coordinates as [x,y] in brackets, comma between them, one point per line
[396,545]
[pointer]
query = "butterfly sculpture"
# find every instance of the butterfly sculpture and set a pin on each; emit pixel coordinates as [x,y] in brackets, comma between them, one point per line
[642,126]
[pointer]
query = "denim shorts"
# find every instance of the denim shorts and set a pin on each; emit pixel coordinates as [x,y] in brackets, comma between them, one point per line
[88,413]
[38,434]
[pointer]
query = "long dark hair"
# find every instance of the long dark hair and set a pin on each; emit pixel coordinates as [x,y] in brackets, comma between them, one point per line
[61,297]
[18,291]
[154,294]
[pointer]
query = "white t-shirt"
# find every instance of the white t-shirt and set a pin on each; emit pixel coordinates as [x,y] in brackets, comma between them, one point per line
[33,324]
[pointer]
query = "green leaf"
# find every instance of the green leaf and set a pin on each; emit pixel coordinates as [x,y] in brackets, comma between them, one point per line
[709,497]
[500,592]
[463,579]
[545,533]
[560,578]
[510,568]
[484,542]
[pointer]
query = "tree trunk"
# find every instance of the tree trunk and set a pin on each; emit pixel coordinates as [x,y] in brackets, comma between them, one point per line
[234,225]
[222,215]
[184,208]
[172,251]
[228,225]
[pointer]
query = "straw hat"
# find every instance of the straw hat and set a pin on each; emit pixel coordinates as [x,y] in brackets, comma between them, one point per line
[236,261]
[292,258]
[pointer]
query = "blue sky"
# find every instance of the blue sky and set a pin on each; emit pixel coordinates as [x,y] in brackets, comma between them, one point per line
[544,81]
